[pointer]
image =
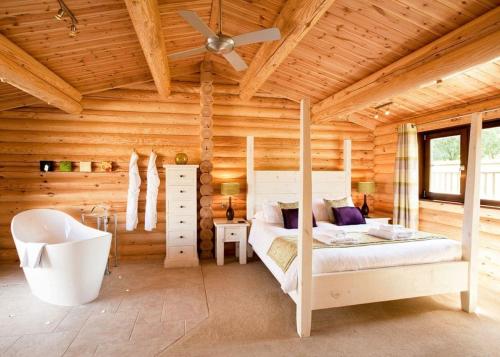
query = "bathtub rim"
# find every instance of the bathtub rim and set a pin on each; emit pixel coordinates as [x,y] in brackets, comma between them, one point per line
[103,234]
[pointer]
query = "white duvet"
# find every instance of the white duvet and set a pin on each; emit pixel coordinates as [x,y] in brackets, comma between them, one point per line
[332,260]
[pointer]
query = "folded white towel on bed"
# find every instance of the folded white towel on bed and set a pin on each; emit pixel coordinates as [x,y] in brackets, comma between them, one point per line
[333,237]
[391,227]
[400,234]
[31,255]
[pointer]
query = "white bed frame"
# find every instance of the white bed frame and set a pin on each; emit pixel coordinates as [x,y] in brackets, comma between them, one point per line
[321,291]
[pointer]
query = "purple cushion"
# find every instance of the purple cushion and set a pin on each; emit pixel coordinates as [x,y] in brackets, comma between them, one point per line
[291,218]
[345,216]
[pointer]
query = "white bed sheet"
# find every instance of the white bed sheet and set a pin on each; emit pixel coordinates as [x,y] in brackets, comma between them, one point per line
[332,260]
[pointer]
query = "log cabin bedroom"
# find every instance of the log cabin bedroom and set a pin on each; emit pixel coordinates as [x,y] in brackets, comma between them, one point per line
[249,178]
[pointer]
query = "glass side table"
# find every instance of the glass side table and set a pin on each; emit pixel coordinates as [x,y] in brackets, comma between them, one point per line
[104,219]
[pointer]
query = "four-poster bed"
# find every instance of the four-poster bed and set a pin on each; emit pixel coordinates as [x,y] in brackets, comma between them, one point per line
[343,288]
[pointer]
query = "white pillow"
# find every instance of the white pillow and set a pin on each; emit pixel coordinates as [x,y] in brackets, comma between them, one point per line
[260,216]
[272,212]
[319,209]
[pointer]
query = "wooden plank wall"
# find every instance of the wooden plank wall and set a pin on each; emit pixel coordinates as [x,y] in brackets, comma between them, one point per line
[115,122]
[434,217]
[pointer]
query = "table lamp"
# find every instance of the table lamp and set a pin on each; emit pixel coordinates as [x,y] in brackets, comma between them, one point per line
[229,189]
[366,188]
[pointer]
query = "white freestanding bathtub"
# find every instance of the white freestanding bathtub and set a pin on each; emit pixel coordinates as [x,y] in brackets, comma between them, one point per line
[73,261]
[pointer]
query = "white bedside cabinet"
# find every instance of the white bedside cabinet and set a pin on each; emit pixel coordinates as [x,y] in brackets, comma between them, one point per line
[182,217]
[231,231]
[381,220]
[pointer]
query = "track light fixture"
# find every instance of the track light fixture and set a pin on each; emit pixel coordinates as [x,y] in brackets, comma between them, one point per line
[64,10]
[383,108]
[73,31]
[60,14]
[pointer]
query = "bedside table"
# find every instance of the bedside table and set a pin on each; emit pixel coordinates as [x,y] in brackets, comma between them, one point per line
[231,231]
[381,220]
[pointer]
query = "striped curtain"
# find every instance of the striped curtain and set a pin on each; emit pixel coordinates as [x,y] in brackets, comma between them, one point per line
[406,177]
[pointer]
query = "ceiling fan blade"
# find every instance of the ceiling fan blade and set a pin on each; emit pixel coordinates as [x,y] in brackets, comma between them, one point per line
[187,53]
[236,61]
[194,20]
[271,34]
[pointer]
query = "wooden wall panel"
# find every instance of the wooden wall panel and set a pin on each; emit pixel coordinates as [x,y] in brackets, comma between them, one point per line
[436,217]
[113,123]
[32,134]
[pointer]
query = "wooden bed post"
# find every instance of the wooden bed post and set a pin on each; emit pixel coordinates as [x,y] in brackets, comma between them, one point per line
[250,178]
[470,228]
[304,243]
[347,166]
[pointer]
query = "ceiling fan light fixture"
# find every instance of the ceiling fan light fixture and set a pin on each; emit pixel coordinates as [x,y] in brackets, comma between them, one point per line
[220,45]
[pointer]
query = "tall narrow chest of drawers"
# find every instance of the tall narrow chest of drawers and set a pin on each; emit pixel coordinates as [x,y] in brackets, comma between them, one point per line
[182,218]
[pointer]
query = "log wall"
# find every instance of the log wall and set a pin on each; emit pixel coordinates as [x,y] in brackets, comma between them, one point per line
[115,122]
[436,217]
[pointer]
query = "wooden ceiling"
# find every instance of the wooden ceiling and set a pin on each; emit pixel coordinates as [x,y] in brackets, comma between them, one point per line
[352,40]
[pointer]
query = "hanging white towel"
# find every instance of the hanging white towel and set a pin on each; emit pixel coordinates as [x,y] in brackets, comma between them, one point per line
[134,184]
[153,181]
[31,255]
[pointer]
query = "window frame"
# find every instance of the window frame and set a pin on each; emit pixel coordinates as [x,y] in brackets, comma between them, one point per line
[486,125]
[424,139]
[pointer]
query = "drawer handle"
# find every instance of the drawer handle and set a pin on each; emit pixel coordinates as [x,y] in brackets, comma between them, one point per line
[181,222]
[181,176]
[181,237]
[182,251]
[181,206]
[232,234]
[182,191]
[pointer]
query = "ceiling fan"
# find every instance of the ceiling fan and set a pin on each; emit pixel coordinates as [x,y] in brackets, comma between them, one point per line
[221,44]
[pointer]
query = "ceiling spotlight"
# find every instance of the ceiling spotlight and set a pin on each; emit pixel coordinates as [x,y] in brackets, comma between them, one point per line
[60,14]
[73,32]
[387,112]
[376,115]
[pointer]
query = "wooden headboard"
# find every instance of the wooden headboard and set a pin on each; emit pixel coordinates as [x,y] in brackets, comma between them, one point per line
[263,186]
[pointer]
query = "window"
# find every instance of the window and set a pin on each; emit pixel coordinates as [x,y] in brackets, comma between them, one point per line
[443,168]
[444,164]
[489,189]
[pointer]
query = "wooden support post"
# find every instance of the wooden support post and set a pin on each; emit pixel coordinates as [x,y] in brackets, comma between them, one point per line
[470,228]
[207,145]
[304,243]
[347,166]
[250,178]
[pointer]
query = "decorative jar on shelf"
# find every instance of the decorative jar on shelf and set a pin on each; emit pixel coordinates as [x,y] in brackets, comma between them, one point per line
[181,158]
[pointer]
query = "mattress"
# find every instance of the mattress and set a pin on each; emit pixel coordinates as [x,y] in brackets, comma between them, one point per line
[332,260]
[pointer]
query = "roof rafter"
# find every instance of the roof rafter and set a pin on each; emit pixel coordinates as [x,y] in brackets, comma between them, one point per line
[295,20]
[24,72]
[474,43]
[145,16]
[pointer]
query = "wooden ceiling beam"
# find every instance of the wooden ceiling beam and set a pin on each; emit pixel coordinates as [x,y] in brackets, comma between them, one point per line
[295,20]
[474,43]
[145,16]
[24,72]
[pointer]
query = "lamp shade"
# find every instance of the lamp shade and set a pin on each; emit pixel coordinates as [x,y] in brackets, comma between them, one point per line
[366,187]
[229,188]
